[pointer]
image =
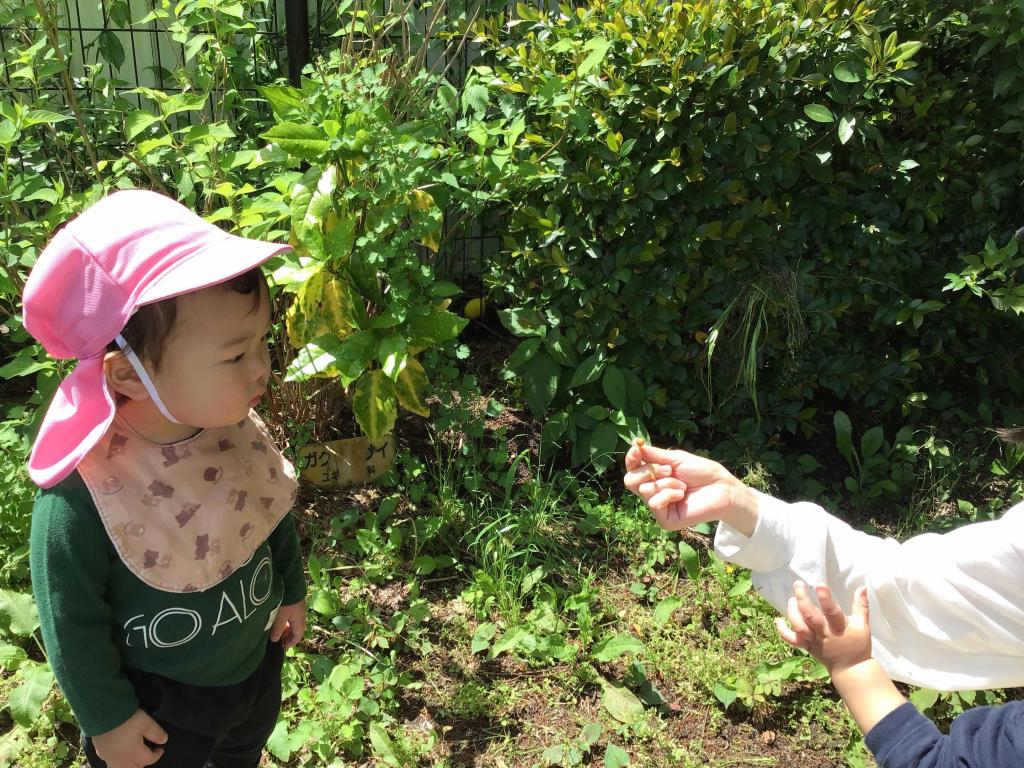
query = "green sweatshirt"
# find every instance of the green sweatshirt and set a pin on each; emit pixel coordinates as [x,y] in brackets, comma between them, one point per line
[98,618]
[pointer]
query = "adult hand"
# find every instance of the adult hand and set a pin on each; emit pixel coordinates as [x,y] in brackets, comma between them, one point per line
[683,489]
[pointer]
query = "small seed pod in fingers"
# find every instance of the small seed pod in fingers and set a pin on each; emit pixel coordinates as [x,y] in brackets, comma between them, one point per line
[639,443]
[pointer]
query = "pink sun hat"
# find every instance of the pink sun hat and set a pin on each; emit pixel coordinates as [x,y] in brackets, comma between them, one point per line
[131,248]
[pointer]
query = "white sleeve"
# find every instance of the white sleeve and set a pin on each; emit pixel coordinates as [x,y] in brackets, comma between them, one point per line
[947,610]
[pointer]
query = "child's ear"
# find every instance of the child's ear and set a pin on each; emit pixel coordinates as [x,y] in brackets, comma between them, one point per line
[122,378]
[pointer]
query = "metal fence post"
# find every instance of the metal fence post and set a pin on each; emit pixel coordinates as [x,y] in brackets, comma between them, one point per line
[296,27]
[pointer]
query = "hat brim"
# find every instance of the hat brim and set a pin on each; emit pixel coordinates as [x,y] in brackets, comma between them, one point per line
[216,263]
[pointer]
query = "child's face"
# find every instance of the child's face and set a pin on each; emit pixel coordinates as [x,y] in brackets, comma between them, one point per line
[216,363]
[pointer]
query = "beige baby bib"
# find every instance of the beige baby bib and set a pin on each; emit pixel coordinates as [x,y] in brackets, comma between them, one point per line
[183,517]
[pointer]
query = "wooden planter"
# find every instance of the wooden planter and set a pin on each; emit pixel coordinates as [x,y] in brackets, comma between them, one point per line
[347,462]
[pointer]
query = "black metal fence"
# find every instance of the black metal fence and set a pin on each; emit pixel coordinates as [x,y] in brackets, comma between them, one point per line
[286,39]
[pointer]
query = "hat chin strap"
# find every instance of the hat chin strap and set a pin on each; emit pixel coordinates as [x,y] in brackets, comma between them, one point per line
[147,382]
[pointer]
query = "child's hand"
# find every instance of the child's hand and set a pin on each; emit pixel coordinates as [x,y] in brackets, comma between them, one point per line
[126,747]
[836,640]
[289,625]
[683,489]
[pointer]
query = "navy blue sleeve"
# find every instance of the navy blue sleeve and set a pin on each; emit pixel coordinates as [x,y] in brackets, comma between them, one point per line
[984,737]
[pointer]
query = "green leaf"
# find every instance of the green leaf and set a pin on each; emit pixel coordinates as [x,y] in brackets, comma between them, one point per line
[18,615]
[9,133]
[306,142]
[614,384]
[374,404]
[847,72]
[596,49]
[12,657]
[183,102]
[25,364]
[482,637]
[283,99]
[615,757]
[111,48]
[663,610]
[524,322]
[590,734]
[611,647]
[540,381]
[434,328]
[137,122]
[393,353]
[845,130]
[27,699]
[725,694]
[741,587]
[870,442]
[924,698]
[908,50]
[474,98]
[588,370]
[621,703]
[44,116]
[514,638]
[691,560]
[383,746]
[819,113]
[844,436]
[322,602]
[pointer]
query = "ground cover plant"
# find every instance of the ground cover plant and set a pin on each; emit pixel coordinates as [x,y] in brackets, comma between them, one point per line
[782,233]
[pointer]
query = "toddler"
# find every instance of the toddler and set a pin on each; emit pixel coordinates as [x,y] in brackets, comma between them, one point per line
[165,563]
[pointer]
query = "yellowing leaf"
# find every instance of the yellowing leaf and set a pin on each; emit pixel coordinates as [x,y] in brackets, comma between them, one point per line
[373,403]
[421,200]
[412,383]
[327,305]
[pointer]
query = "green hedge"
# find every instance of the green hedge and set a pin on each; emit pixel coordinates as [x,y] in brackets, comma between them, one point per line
[741,216]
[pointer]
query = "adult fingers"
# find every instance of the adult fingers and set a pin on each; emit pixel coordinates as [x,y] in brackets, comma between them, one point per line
[666,495]
[834,616]
[633,457]
[636,478]
[686,466]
